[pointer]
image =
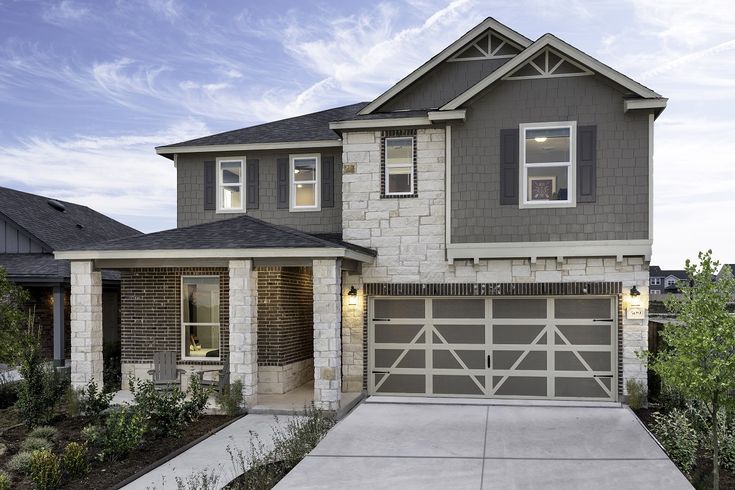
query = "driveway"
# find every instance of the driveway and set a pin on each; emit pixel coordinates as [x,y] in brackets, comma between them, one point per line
[433,444]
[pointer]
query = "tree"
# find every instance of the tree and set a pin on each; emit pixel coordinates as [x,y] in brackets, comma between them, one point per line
[13,319]
[699,360]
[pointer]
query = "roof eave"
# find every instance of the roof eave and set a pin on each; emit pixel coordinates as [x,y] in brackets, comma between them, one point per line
[169,151]
[393,122]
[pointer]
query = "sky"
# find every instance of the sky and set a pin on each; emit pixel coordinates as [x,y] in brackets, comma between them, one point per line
[89,88]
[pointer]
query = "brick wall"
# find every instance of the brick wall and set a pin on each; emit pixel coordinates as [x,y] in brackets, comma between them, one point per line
[285,315]
[41,303]
[150,310]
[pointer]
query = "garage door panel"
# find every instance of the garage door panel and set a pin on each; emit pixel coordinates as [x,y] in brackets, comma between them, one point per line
[386,358]
[460,334]
[458,385]
[580,387]
[386,333]
[520,386]
[401,383]
[578,309]
[584,334]
[517,334]
[399,308]
[458,308]
[531,361]
[519,308]
[447,359]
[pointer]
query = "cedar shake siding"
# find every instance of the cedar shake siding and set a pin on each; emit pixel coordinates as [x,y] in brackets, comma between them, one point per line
[620,210]
[191,191]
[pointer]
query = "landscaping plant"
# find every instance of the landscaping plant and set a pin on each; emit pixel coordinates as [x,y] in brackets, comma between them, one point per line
[94,401]
[675,433]
[121,432]
[45,470]
[5,481]
[699,360]
[230,398]
[35,443]
[13,318]
[45,432]
[636,393]
[20,463]
[74,460]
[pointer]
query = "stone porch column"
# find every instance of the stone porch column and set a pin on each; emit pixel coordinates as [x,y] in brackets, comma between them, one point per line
[244,328]
[327,324]
[86,324]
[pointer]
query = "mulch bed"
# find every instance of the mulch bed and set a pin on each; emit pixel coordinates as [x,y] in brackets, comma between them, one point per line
[701,476]
[105,475]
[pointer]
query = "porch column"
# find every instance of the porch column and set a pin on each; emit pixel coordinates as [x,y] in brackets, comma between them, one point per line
[59,358]
[86,324]
[327,324]
[244,328]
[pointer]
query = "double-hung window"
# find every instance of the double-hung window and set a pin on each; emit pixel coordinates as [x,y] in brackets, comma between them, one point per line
[655,281]
[548,164]
[399,171]
[305,179]
[670,282]
[231,184]
[200,327]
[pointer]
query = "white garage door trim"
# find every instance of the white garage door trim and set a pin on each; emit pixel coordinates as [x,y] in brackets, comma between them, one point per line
[413,356]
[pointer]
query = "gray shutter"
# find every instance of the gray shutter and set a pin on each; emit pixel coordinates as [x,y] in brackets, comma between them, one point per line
[508,191]
[586,163]
[251,181]
[282,183]
[328,182]
[210,185]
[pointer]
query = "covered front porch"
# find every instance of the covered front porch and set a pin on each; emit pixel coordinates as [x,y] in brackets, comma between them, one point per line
[268,317]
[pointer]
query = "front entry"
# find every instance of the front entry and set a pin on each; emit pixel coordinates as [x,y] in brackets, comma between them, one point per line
[532,347]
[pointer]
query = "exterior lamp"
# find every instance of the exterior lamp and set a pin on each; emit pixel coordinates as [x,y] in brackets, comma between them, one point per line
[352,296]
[635,296]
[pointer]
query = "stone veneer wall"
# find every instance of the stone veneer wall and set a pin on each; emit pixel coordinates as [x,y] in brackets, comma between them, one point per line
[409,235]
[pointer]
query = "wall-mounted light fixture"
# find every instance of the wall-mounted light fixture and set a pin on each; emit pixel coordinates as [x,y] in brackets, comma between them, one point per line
[352,296]
[635,296]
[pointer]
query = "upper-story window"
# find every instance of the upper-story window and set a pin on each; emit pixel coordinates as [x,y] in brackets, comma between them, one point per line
[305,183]
[670,282]
[399,166]
[231,184]
[548,164]
[655,281]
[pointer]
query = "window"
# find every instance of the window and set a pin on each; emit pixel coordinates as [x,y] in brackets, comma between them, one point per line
[654,292]
[305,177]
[200,317]
[399,167]
[230,184]
[655,281]
[670,282]
[548,164]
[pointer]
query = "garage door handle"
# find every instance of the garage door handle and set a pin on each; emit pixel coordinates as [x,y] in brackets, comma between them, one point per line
[381,319]
[381,372]
[602,320]
[488,361]
[602,375]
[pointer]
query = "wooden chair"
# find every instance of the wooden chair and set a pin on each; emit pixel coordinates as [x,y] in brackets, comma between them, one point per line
[165,373]
[222,381]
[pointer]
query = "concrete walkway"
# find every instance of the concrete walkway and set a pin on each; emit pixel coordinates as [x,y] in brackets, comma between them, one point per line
[211,454]
[475,445]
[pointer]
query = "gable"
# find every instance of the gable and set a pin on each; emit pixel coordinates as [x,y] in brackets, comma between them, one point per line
[548,63]
[490,45]
[14,240]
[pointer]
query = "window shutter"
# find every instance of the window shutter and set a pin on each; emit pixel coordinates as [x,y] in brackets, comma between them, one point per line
[282,183]
[508,191]
[586,163]
[328,181]
[251,181]
[210,185]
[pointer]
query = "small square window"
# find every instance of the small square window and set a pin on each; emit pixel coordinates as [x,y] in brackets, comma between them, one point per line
[305,177]
[399,166]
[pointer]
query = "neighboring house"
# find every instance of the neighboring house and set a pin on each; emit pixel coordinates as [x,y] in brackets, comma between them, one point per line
[480,229]
[32,228]
[722,270]
[664,281]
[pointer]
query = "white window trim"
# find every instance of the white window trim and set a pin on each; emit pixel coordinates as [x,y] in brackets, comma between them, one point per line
[655,292]
[388,166]
[220,184]
[671,282]
[317,183]
[655,281]
[524,203]
[184,357]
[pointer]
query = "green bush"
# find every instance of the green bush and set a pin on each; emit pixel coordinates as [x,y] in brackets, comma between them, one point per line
[122,431]
[94,401]
[230,398]
[71,402]
[45,470]
[45,432]
[202,480]
[20,463]
[41,388]
[5,481]
[678,437]
[637,393]
[35,443]
[74,460]
[167,412]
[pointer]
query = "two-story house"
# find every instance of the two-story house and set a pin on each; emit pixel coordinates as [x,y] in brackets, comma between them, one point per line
[664,281]
[481,229]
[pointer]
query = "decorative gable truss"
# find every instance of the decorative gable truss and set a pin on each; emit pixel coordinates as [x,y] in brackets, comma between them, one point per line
[548,64]
[489,46]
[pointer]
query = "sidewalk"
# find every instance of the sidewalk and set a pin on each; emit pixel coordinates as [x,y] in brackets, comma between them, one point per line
[211,454]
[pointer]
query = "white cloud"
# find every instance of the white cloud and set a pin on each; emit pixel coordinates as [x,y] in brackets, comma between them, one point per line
[64,12]
[170,9]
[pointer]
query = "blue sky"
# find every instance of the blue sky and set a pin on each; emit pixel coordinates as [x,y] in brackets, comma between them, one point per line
[87,89]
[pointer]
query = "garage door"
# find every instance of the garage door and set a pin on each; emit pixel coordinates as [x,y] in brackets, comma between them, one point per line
[502,347]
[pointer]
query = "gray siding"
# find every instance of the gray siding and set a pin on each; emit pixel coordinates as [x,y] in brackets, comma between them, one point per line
[15,241]
[190,193]
[621,209]
[442,84]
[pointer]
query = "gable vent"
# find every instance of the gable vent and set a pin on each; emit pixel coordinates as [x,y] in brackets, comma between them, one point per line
[56,205]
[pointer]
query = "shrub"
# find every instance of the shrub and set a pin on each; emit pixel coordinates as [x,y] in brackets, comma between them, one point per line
[71,402]
[93,401]
[122,431]
[167,412]
[45,432]
[41,388]
[676,434]
[45,470]
[74,460]
[202,480]
[637,393]
[230,398]
[20,463]
[5,481]
[35,444]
